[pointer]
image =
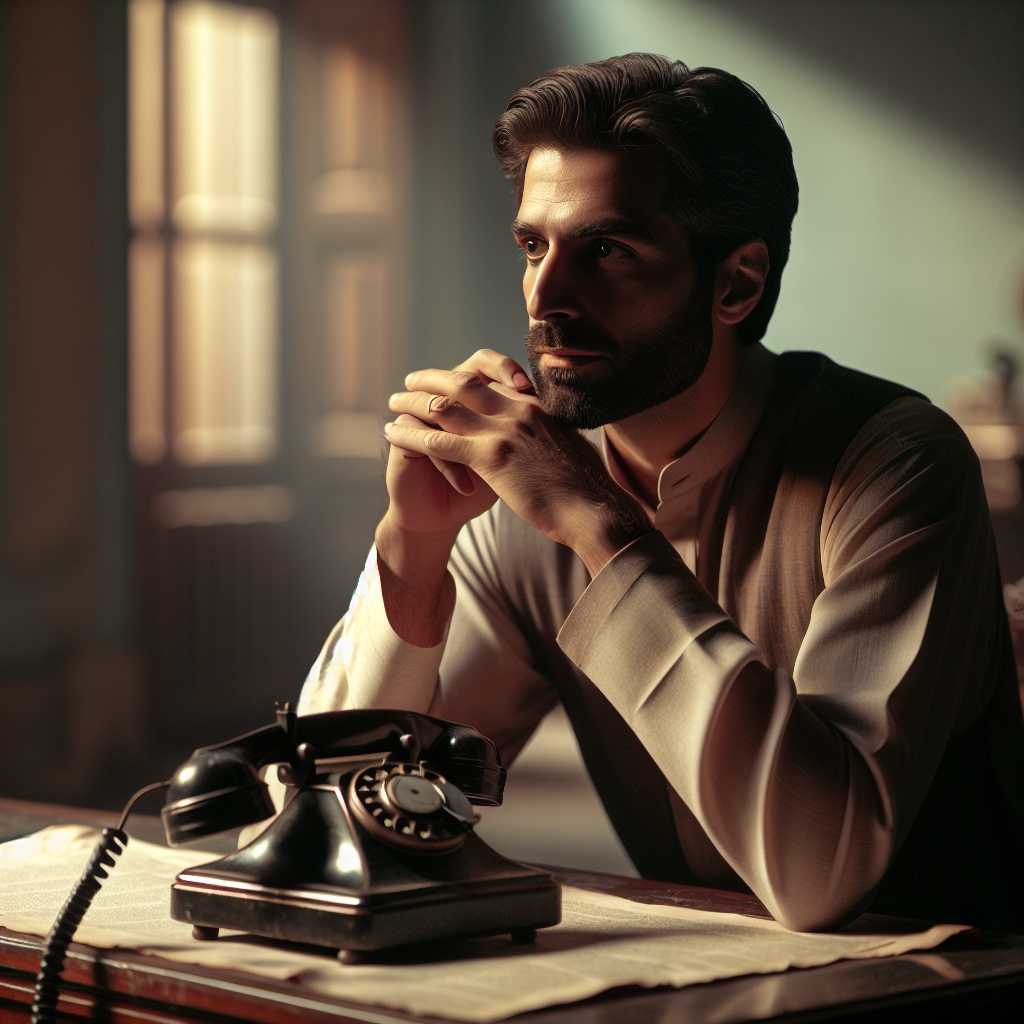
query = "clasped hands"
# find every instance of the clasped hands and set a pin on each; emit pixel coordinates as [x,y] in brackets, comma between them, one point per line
[467,436]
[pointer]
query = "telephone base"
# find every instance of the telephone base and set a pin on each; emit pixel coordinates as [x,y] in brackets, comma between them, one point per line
[317,876]
[483,908]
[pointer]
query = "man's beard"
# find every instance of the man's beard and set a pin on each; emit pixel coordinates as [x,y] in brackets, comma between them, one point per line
[652,370]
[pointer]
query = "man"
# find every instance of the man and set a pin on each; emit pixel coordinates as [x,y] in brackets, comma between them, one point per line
[765,592]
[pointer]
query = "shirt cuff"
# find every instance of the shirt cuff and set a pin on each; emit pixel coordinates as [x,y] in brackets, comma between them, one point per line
[640,612]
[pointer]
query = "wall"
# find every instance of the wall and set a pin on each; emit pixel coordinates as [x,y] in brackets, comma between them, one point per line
[471,57]
[69,684]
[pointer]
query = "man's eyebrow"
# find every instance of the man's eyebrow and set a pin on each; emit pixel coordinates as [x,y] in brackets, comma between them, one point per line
[622,228]
[520,227]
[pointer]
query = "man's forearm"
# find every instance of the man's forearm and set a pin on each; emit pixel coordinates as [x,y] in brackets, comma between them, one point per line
[418,590]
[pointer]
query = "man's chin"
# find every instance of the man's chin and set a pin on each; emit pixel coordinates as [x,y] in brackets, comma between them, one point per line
[571,406]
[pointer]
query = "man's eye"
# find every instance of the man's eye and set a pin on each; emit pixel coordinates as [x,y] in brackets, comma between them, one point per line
[534,249]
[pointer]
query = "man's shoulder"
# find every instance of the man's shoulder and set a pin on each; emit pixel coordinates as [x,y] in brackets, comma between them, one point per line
[813,376]
[821,391]
[818,405]
[820,415]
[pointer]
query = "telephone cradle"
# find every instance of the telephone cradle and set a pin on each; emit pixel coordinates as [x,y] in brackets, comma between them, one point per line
[375,845]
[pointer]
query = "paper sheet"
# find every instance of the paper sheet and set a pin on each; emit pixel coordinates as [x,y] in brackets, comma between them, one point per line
[603,941]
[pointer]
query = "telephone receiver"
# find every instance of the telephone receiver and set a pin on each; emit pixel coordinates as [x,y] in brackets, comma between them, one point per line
[374,847]
[218,789]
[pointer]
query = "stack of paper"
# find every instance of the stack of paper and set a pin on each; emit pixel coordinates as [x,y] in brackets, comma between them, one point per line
[602,942]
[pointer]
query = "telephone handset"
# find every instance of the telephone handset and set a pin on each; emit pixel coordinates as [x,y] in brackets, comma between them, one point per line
[218,788]
[373,849]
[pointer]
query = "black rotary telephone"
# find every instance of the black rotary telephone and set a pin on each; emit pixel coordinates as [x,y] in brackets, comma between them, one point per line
[374,847]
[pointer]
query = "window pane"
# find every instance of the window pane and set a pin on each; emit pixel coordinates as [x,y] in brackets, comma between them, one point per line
[225,353]
[356,119]
[357,356]
[225,117]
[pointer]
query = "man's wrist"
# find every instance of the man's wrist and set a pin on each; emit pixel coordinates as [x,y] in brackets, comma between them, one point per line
[416,557]
[417,589]
[600,533]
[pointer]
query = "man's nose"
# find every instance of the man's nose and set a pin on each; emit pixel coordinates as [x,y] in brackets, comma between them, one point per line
[551,294]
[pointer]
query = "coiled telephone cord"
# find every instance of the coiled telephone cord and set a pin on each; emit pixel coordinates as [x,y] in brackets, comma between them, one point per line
[111,845]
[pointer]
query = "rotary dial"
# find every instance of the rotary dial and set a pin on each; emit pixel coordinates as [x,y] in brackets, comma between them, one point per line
[411,807]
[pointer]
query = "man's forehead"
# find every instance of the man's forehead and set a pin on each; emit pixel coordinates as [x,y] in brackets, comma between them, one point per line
[562,186]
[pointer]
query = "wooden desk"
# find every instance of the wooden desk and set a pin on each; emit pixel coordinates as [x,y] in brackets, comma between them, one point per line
[971,975]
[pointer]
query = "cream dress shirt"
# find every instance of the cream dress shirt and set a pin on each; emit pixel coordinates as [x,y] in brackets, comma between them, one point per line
[800,781]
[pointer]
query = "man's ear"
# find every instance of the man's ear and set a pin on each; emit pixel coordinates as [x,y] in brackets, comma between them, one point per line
[739,281]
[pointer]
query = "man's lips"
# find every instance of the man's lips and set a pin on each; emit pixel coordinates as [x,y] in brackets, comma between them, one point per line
[567,358]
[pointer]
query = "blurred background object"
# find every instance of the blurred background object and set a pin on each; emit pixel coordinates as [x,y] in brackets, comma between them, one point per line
[992,417]
[993,421]
[228,230]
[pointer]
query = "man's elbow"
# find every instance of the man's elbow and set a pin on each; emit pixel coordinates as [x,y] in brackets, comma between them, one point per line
[814,912]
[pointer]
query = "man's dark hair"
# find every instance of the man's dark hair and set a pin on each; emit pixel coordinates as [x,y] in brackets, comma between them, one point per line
[728,158]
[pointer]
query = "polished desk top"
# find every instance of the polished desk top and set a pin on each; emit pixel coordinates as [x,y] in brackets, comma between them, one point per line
[971,974]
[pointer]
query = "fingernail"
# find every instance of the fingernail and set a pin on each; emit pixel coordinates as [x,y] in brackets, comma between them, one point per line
[408,378]
[392,399]
[387,428]
[520,380]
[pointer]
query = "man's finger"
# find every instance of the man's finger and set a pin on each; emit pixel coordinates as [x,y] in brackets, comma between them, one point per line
[435,443]
[461,385]
[410,421]
[494,366]
[438,410]
[457,475]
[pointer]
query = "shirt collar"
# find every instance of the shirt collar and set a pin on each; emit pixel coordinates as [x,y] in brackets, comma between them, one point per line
[730,431]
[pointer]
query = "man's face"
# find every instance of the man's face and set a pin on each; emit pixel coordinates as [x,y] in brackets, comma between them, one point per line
[620,320]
